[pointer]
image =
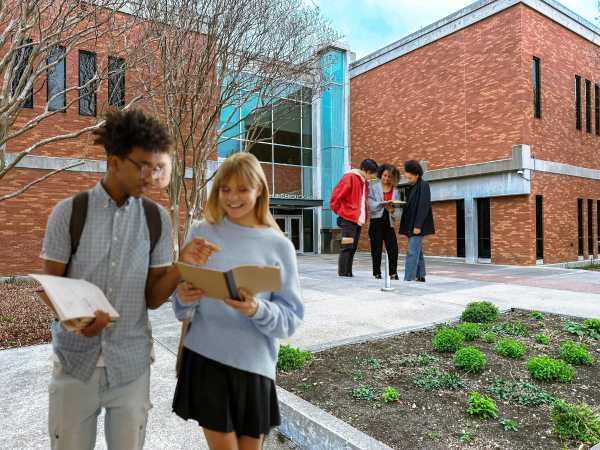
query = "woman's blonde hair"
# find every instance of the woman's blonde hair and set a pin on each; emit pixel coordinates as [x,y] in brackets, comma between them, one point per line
[246,168]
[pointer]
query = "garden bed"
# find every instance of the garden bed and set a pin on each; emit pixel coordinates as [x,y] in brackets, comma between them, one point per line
[350,381]
[24,318]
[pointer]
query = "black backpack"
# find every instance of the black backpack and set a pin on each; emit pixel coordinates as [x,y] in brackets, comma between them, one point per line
[79,214]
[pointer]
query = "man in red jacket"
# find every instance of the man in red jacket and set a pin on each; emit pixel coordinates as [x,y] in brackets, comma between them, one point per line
[349,202]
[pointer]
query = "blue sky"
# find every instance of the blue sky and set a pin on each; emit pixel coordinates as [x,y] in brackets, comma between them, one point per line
[368,25]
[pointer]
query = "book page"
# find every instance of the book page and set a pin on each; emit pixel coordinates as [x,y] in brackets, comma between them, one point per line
[212,282]
[75,299]
[258,278]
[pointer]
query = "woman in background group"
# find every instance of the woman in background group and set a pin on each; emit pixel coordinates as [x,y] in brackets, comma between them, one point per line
[383,217]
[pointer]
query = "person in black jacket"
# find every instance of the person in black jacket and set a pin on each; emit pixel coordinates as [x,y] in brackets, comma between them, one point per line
[417,221]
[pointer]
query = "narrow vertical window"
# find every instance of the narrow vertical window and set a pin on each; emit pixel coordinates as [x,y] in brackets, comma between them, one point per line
[87,85]
[597,107]
[57,79]
[580,226]
[598,225]
[539,227]
[588,106]
[21,63]
[460,228]
[578,102]
[590,223]
[536,84]
[116,82]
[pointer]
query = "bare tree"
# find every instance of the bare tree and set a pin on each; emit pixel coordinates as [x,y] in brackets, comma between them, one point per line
[213,56]
[36,37]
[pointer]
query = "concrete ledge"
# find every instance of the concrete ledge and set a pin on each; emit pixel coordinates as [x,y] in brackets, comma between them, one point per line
[312,428]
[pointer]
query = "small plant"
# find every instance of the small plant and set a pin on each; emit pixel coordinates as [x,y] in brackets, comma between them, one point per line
[480,312]
[466,437]
[432,378]
[489,337]
[537,315]
[510,348]
[358,375]
[390,395]
[575,353]
[363,393]
[520,392]
[447,340]
[511,329]
[482,406]
[292,358]
[306,387]
[434,435]
[543,368]
[575,422]
[592,328]
[470,360]
[373,363]
[509,425]
[576,328]
[542,339]
[470,331]
[418,361]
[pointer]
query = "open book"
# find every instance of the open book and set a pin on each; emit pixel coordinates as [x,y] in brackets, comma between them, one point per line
[75,301]
[222,285]
[395,203]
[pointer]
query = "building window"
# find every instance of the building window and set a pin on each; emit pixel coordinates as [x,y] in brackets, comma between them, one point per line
[578,102]
[536,83]
[598,225]
[87,84]
[484,228]
[21,62]
[57,80]
[597,107]
[116,82]
[580,226]
[590,220]
[460,228]
[588,106]
[539,227]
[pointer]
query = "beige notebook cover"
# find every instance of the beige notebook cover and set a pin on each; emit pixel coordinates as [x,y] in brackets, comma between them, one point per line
[224,284]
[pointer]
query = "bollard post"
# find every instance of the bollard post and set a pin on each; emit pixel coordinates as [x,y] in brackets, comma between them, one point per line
[387,282]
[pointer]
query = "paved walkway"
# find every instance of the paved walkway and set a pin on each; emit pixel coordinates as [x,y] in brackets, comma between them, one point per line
[337,310]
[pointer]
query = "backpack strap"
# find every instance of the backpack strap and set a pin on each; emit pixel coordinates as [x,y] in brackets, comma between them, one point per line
[78,216]
[153,221]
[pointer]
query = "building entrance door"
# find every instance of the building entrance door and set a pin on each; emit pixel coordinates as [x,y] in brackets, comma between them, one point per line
[292,228]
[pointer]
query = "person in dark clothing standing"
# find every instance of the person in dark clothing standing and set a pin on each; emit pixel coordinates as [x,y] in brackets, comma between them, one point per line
[383,219]
[349,203]
[417,221]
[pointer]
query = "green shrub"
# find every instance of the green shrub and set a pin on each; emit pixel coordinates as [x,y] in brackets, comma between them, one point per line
[292,358]
[575,422]
[575,353]
[470,360]
[537,315]
[576,328]
[548,369]
[592,328]
[470,331]
[363,393]
[390,395]
[511,329]
[447,340]
[542,339]
[510,348]
[509,425]
[520,392]
[432,378]
[480,312]
[489,337]
[482,406]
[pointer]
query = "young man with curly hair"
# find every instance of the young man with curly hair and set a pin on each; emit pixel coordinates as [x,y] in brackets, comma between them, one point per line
[123,246]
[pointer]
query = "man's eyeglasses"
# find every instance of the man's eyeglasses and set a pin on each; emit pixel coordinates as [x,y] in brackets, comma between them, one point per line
[147,171]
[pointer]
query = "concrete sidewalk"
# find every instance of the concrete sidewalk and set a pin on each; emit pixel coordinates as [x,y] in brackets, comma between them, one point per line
[337,310]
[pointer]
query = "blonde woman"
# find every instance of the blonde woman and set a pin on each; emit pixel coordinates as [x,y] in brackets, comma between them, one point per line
[227,376]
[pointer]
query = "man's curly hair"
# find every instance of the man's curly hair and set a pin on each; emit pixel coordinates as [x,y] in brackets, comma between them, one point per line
[124,130]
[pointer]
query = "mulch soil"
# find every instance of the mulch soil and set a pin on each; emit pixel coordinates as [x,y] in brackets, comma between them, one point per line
[24,318]
[438,419]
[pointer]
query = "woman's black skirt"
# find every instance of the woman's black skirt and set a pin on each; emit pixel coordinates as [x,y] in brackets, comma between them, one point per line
[224,399]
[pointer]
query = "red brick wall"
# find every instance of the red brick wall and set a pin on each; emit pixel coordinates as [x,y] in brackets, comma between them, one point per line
[563,54]
[443,242]
[456,101]
[512,224]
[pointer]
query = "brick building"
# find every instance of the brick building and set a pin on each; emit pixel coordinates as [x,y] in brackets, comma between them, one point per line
[502,102]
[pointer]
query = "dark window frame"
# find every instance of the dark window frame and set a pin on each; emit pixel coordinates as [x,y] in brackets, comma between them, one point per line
[116,83]
[578,102]
[598,226]
[64,95]
[590,226]
[588,106]
[460,229]
[580,227]
[484,228]
[539,227]
[28,102]
[597,106]
[537,86]
[93,86]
